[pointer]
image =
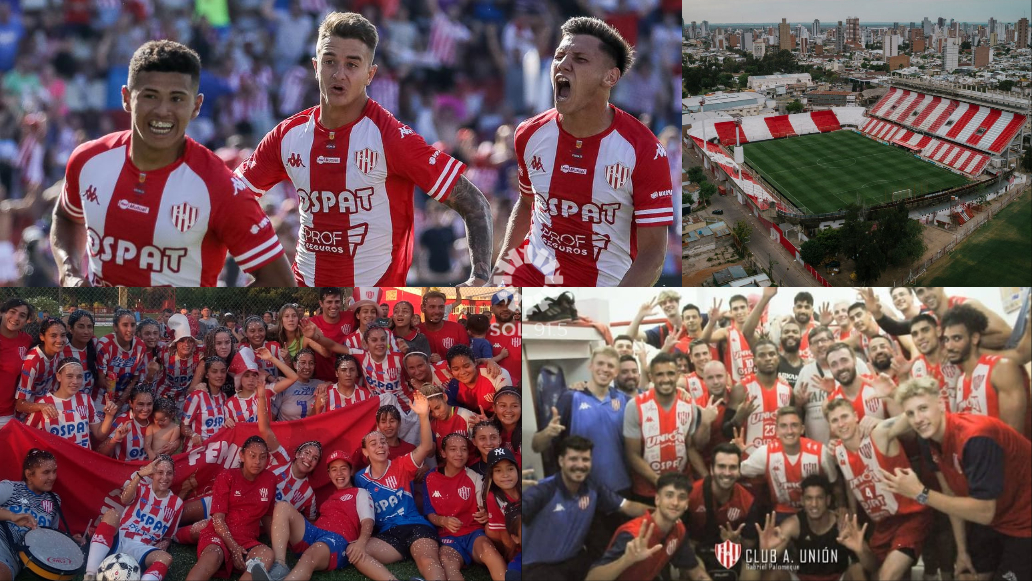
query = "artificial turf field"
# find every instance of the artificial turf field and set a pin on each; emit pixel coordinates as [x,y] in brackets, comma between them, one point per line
[824,172]
[993,253]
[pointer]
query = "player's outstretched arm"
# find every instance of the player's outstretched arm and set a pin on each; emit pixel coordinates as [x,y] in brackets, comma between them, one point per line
[647,266]
[68,241]
[470,203]
[276,273]
[515,231]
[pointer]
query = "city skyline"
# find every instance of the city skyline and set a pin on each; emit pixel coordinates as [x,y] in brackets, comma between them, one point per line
[762,11]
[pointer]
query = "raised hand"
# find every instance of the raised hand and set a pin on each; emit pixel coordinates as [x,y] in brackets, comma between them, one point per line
[770,291]
[148,469]
[638,549]
[121,432]
[648,308]
[729,534]
[554,428]
[826,383]
[709,413]
[739,439]
[770,535]
[263,353]
[111,409]
[825,315]
[746,408]
[867,425]
[901,366]
[883,385]
[308,328]
[420,405]
[850,535]
[717,312]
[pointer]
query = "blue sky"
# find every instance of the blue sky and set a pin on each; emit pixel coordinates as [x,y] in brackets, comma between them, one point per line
[867,10]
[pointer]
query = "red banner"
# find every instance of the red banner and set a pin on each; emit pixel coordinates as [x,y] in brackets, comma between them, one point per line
[87,481]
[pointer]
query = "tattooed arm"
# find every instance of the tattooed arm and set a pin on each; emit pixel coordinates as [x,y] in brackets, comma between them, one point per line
[516,231]
[470,203]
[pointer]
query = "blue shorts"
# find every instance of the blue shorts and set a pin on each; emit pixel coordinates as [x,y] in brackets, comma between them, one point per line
[463,545]
[336,543]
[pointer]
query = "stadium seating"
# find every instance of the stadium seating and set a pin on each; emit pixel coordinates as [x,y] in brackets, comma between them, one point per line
[779,126]
[726,133]
[955,156]
[825,121]
[978,126]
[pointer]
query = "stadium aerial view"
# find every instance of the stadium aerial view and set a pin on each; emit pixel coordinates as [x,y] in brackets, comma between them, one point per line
[799,124]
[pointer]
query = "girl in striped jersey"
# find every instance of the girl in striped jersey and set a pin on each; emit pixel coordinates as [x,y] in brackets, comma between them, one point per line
[179,360]
[37,378]
[149,331]
[346,391]
[255,331]
[129,430]
[219,342]
[68,412]
[381,369]
[205,412]
[152,512]
[82,345]
[121,356]
[243,407]
[366,313]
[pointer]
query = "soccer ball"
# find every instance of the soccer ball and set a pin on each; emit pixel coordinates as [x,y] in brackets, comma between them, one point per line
[118,567]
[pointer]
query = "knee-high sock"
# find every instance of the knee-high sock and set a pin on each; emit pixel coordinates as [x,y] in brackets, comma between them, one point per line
[100,545]
[156,572]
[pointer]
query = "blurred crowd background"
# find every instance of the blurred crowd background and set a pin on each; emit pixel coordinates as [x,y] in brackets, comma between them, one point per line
[462,73]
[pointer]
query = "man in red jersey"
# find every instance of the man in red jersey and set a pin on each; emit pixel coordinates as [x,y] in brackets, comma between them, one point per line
[442,334]
[931,358]
[335,325]
[152,207]
[900,524]
[990,385]
[756,400]
[643,547]
[506,333]
[738,357]
[983,468]
[595,193]
[355,167]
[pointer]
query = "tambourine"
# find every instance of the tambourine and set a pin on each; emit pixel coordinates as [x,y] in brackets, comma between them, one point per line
[51,554]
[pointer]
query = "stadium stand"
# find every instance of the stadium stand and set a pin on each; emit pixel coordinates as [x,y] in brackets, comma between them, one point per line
[978,126]
[825,121]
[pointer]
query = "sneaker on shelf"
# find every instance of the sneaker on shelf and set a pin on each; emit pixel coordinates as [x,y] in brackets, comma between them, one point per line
[560,308]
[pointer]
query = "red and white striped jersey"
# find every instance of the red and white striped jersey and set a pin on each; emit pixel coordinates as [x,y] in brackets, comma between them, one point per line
[167,227]
[126,364]
[785,473]
[74,416]
[664,434]
[354,341]
[355,186]
[760,427]
[866,403]
[695,386]
[591,195]
[245,409]
[130,448]
[738,358]
[297,491]
[204,413]
[384,376]
[149,518]
[336,400]
[38,376]
[862,471]
[946,373]
[178,373]
[977,394]
[269,366]
[88,381]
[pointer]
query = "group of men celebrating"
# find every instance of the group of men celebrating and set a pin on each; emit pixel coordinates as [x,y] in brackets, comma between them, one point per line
[839,442]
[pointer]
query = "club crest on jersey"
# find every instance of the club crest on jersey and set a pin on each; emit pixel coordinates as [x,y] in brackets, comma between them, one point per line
[391,482]
[727,553]
[366,160]
[671,546]
[464,492]
[184,216]
[82,410]
[264,493]
[535,163]
[617,174]
[447,342]
[22,351]
[584,502]
[169,513]
[48,505]
[733,513]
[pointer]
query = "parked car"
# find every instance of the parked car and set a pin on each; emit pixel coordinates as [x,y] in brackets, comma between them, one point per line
[718,211]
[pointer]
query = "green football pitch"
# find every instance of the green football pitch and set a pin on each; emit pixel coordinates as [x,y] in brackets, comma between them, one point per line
[827,171]
[993,253]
